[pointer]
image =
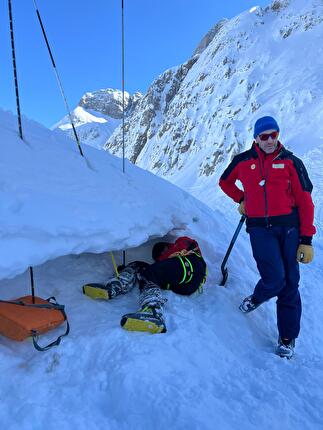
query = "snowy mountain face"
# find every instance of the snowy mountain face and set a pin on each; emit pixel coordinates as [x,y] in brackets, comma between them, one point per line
[146,119]
[197,116]
[97,115]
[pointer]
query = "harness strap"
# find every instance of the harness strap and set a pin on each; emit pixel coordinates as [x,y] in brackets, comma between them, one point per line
[56,342]
[192,271]
[184,269]
[200,288]
[187,275]
[50,305]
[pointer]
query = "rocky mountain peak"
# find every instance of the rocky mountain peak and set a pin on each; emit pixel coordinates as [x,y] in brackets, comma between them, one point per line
[97,115]
[207,39]
[109,102]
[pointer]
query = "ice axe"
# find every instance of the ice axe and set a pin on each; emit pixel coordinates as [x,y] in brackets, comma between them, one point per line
[224,270]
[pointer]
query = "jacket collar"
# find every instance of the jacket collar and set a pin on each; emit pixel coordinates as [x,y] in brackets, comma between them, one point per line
[280,151]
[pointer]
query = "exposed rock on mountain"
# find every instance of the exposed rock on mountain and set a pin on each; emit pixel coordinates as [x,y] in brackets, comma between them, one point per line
[97,115]
[209,37]
[109,102]
[195,117]
[150,111]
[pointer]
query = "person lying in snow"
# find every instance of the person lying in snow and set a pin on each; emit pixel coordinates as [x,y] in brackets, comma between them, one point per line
[178,267]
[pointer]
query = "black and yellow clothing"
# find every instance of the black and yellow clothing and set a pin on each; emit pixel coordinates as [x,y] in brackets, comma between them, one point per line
[180,274]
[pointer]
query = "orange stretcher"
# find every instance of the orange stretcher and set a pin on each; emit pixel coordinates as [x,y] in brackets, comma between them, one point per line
[30,316]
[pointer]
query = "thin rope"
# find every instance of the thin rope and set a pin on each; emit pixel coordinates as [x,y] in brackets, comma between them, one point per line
[123,94]
[114,264]
[18,113]
[123,107]
[15,69]
[58,80]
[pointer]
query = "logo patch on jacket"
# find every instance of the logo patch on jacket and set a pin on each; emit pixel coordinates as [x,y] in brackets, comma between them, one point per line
[253,166]
[278,166]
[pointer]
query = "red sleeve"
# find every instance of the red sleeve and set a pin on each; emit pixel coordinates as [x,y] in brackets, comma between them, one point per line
[301,189]
[228,182]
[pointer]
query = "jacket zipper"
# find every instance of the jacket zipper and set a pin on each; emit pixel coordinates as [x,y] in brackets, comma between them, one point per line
[265,176]
[262,171]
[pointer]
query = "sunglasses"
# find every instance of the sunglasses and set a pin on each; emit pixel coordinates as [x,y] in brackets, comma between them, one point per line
[265,136]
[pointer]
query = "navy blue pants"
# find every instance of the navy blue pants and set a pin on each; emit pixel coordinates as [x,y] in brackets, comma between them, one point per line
[274,250]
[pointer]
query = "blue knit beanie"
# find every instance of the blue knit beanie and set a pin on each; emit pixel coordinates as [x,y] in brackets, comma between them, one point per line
[265,123]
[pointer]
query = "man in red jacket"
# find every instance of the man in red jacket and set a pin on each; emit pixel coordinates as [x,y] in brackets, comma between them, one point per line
[276,199]
[177,266]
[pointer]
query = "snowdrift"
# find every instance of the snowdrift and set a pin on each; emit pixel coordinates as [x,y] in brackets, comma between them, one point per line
[54,202]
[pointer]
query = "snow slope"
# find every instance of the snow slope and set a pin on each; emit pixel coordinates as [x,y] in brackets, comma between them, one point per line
[213,369]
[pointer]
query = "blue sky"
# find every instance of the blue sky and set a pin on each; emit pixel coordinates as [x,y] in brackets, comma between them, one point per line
[85,38]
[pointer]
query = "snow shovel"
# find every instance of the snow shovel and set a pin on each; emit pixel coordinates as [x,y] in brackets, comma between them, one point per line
[224,270]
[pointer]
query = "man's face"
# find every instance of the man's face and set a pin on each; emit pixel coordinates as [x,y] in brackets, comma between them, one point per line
[267,140]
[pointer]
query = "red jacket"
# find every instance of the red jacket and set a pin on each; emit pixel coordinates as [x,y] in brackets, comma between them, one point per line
[183,246]
[274,186]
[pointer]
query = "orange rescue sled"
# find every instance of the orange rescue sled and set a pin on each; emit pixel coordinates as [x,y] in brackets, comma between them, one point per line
[31,316]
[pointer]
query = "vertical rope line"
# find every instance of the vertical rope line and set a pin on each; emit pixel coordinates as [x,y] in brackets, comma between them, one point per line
[114,264]
[58,80]
[18,111]
[15,68]
[123,105]
[123,93]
